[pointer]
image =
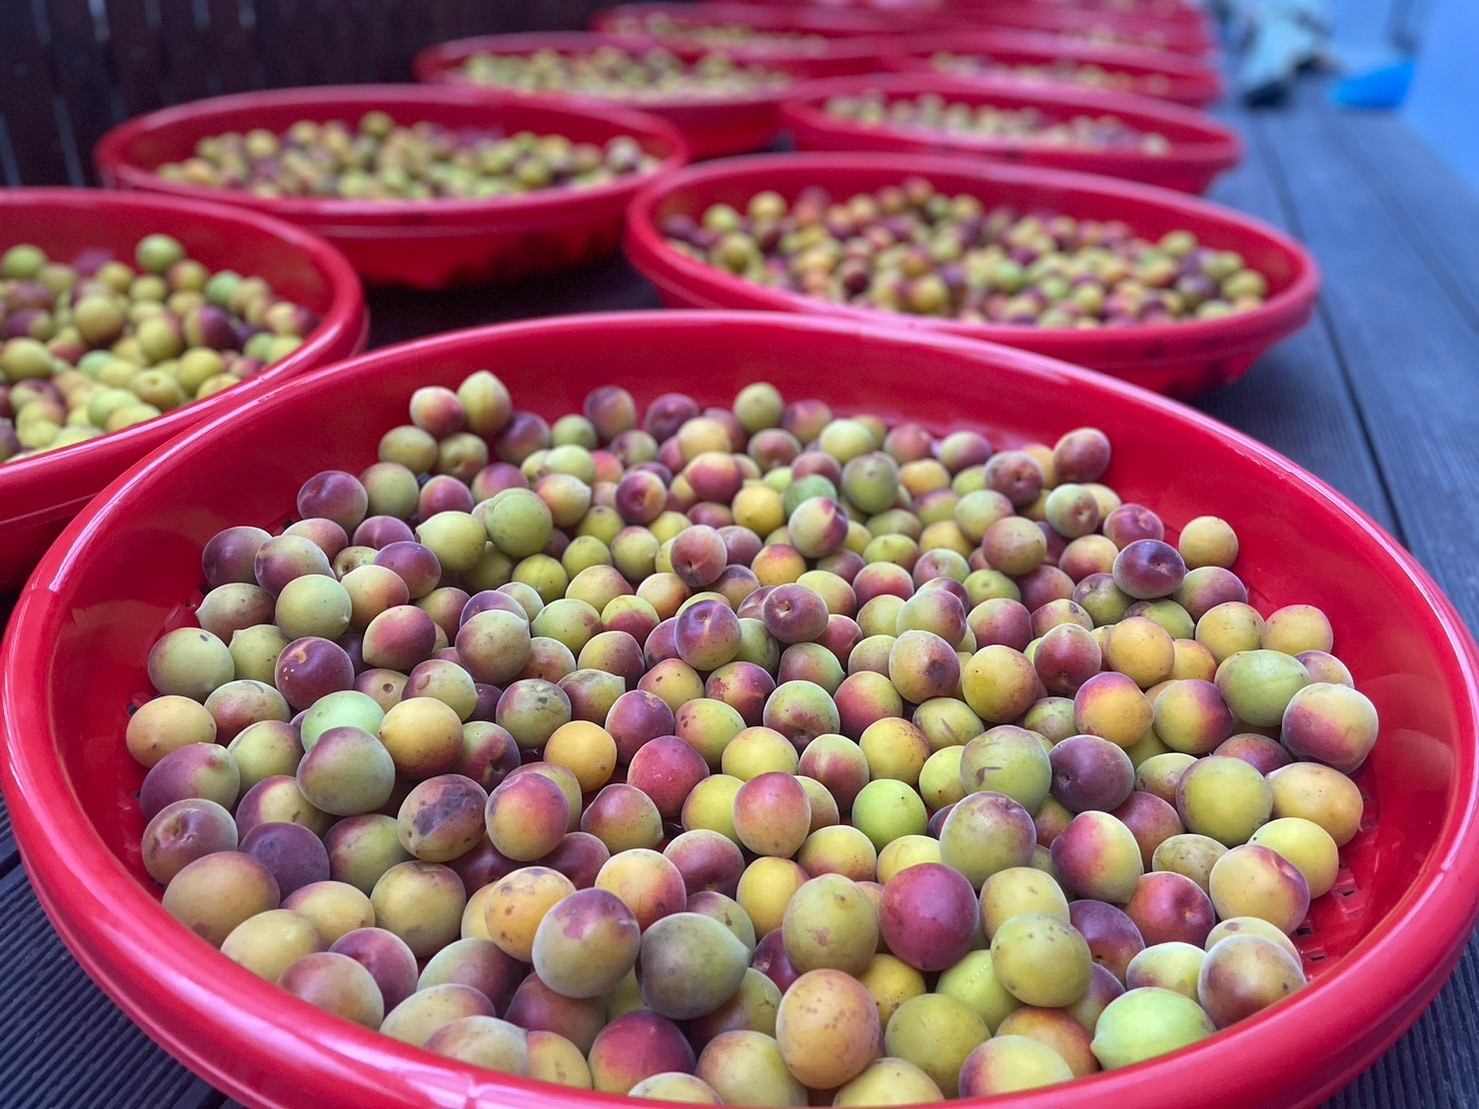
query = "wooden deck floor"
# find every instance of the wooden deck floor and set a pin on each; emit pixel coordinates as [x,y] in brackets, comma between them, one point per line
[1379,396]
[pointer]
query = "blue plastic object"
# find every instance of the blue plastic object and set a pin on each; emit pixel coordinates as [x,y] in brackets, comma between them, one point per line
[1381,88]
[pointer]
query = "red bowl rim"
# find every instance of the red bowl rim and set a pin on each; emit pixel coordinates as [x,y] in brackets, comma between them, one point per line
[80,880]
[1048,45]
[1279,315]
[1187,77]
[871,43]
[1178,12]
[436,65]
[111,155]
[1194,39]
[344,320]
[1221,147]
[802,18]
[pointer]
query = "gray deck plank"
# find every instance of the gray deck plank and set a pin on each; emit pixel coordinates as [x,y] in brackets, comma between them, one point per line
[65,1043]
[1297,399]
[1409,348]
[1424,194]
[1407,343]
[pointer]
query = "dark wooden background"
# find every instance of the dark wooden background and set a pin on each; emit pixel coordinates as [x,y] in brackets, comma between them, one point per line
[71,69]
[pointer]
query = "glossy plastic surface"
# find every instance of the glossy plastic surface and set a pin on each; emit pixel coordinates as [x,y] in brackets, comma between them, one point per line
[424,244]
[1130,28]
[1154,73]
[1201,148]
[75,651]
[803,18]
[1172,13]
[1122,28]
[714,125]
[1181,15]
[1181,359]
[839,43]
[39,495]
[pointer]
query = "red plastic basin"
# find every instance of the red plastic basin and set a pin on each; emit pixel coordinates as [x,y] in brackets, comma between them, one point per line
[1120,28]
[1176,13]
[39,495]
[637,19]
[76,647]
[714,125]
[1153,73]
[1181,359]
[1132,27]
[845,42]
[1201,148]
[424,244]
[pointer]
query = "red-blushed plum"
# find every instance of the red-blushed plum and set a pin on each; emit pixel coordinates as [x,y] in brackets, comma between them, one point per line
[1113,937]
[1243,975]
[1253,881]
[537,1008]
[1010,1064]
[666,769]
[478,963]
[295,856]
[1170,908]
[1332,724]
[184,831]
[1097,857]
[1057,1029]
[1259,751]
[336,984]
[1104,987]
[1151,820]
[213,894]
[586,944]
[442,818]
[526,816]
[928,916]
[743,686]
[579,856]
[650,884]
[772,814]
[623,818]
[1090,773]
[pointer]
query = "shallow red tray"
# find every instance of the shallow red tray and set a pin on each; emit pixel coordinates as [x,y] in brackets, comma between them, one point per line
[39,495]
[1187,36]
[1201,147]
[854,41]
[713,125]
[1181,359]
[1142,31]
[425,244]
[1378,951]
[1175,13]
[1154,73]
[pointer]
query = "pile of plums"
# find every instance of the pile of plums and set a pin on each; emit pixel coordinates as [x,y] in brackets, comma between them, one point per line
[910,248]
[378,159]
[1065,70]
[756,755]
[99,345]
[613,73]
[658,24]
[1020,125]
